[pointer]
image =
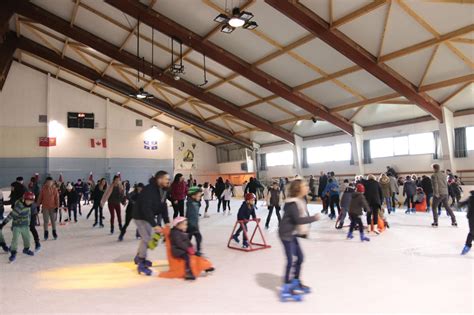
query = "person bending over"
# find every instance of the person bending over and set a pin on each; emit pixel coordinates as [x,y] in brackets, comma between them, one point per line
[247,210]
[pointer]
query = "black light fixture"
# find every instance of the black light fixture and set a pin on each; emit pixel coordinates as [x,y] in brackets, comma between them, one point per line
[141,93]
[177,67]
[205,71]
[314,119]
[235,20]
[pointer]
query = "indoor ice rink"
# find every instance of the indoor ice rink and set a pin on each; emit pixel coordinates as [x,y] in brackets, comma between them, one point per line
[236,157]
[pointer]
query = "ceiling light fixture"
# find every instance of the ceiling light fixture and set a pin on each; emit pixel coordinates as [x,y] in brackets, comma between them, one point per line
[235,20]
[177,67]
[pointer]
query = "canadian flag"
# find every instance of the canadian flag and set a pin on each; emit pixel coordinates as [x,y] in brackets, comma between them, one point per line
[98,143]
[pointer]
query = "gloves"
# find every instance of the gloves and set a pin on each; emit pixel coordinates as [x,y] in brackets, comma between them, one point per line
[191,251]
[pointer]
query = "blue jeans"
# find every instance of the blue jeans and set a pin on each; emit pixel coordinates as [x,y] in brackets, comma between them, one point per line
[388,201]
[292,248]
[428,199]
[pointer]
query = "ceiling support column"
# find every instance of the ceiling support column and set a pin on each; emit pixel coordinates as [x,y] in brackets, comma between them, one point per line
[357,148]
[298,155]
[446,137]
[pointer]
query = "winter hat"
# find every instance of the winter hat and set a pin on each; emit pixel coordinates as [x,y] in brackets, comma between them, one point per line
[29,196]
[360,188]
[250,196]
[194,190]
[178,220]
[69,186]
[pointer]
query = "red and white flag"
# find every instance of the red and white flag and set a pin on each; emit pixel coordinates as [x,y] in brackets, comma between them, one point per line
[98,143]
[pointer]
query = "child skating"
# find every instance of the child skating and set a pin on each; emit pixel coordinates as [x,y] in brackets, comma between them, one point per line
[20,217]
[227,196]
[345,203]
[247,210]
[207,197]
[470,217]
[192,215]
[357,204]
[294,225]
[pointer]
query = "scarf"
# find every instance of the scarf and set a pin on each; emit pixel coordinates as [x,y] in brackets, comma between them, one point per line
[302,230]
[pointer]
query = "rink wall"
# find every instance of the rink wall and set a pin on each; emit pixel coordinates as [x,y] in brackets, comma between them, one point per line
[28,93]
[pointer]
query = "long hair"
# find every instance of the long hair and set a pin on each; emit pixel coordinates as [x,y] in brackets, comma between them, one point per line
[295,187]
[177,177]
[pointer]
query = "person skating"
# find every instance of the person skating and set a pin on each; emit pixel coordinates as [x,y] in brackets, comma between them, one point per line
[151,202]
[455,191]
[427,187]
[345,203]
[469,202]
[294,224]
[332,190]
[72,202]
[207,197]
[97,195]
[49,202]
[179,190]
[395,191]
[181,246]
[227,196]
[357,204]
[409,190]
[79,188]
[246,210]
[20,217]
[274,199]
[440,195]
[386,191]
[2,207]
[114,196]
[193,204]
[374,196]
[86,187]
[18,189]
[132,199]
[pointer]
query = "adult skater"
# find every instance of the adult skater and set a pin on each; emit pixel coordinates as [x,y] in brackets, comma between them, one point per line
[323,181]
[294,224]
[151,202]
[132,199]
[274,199]
[384,181]
[374,196]
[179,190]
[395,191]
[470,217]
[97,195]
[114,196]
[218,191]
[409,190]
[440,195]
[427,187]
[49,202]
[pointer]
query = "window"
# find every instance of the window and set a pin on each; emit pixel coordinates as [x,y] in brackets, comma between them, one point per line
[280,158]
[381,147]
[470,138]
[337,152]
[421,143]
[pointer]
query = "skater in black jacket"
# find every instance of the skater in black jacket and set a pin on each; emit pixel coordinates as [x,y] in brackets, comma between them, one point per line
[247,210]
[132,198]
[470,216]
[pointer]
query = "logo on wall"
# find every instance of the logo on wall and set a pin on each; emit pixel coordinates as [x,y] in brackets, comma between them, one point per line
[47,142]
[186,155]
[98,143]
[150,145]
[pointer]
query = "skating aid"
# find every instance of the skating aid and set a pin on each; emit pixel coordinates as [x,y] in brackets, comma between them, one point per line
[252,246]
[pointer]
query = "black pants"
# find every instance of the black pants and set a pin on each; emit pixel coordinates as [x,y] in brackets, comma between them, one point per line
[410,202]
[128,218]
[207,206]
[374,213]
[334,200]
[79,204]
[178,208]
[197,235]
[219,202]
[34,219]
[356,220]
[72,208]
[292,249]
[98,212]
[470,236]
[270,212]
[237,233]
[187,260]
[226,204]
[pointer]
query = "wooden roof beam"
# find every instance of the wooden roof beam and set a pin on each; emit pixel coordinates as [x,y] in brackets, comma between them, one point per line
[231,61]
[5,16]
[7,49]
[313,23]
[122,88]
[62,26]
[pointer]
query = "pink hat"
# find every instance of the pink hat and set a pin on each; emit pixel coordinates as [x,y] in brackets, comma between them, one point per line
[178,220]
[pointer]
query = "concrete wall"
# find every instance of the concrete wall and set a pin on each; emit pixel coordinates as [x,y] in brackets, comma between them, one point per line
[28,93]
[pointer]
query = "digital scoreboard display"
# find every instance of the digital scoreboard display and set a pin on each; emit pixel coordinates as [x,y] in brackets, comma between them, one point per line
[80,120]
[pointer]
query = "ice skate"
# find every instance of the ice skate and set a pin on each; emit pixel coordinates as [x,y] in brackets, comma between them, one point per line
[245,244]
[189,275]
[455,224]
[120,238]
[212,269]
[364,238]
[46,235]
[4,247]
[434,224]
[298,287]
[350,236]
[28,252]
[55,235]
[287,293]
[12,257]
[146,262]
[37,248]
[465,250]
[142,268]
[236,238]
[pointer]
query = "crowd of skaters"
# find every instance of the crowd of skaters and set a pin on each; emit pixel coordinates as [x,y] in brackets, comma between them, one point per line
[147,204]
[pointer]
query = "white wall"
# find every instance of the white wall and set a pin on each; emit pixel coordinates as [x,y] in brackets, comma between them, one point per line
[28,93]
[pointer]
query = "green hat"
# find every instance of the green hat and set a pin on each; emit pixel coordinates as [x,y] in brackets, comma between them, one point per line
[194,190]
